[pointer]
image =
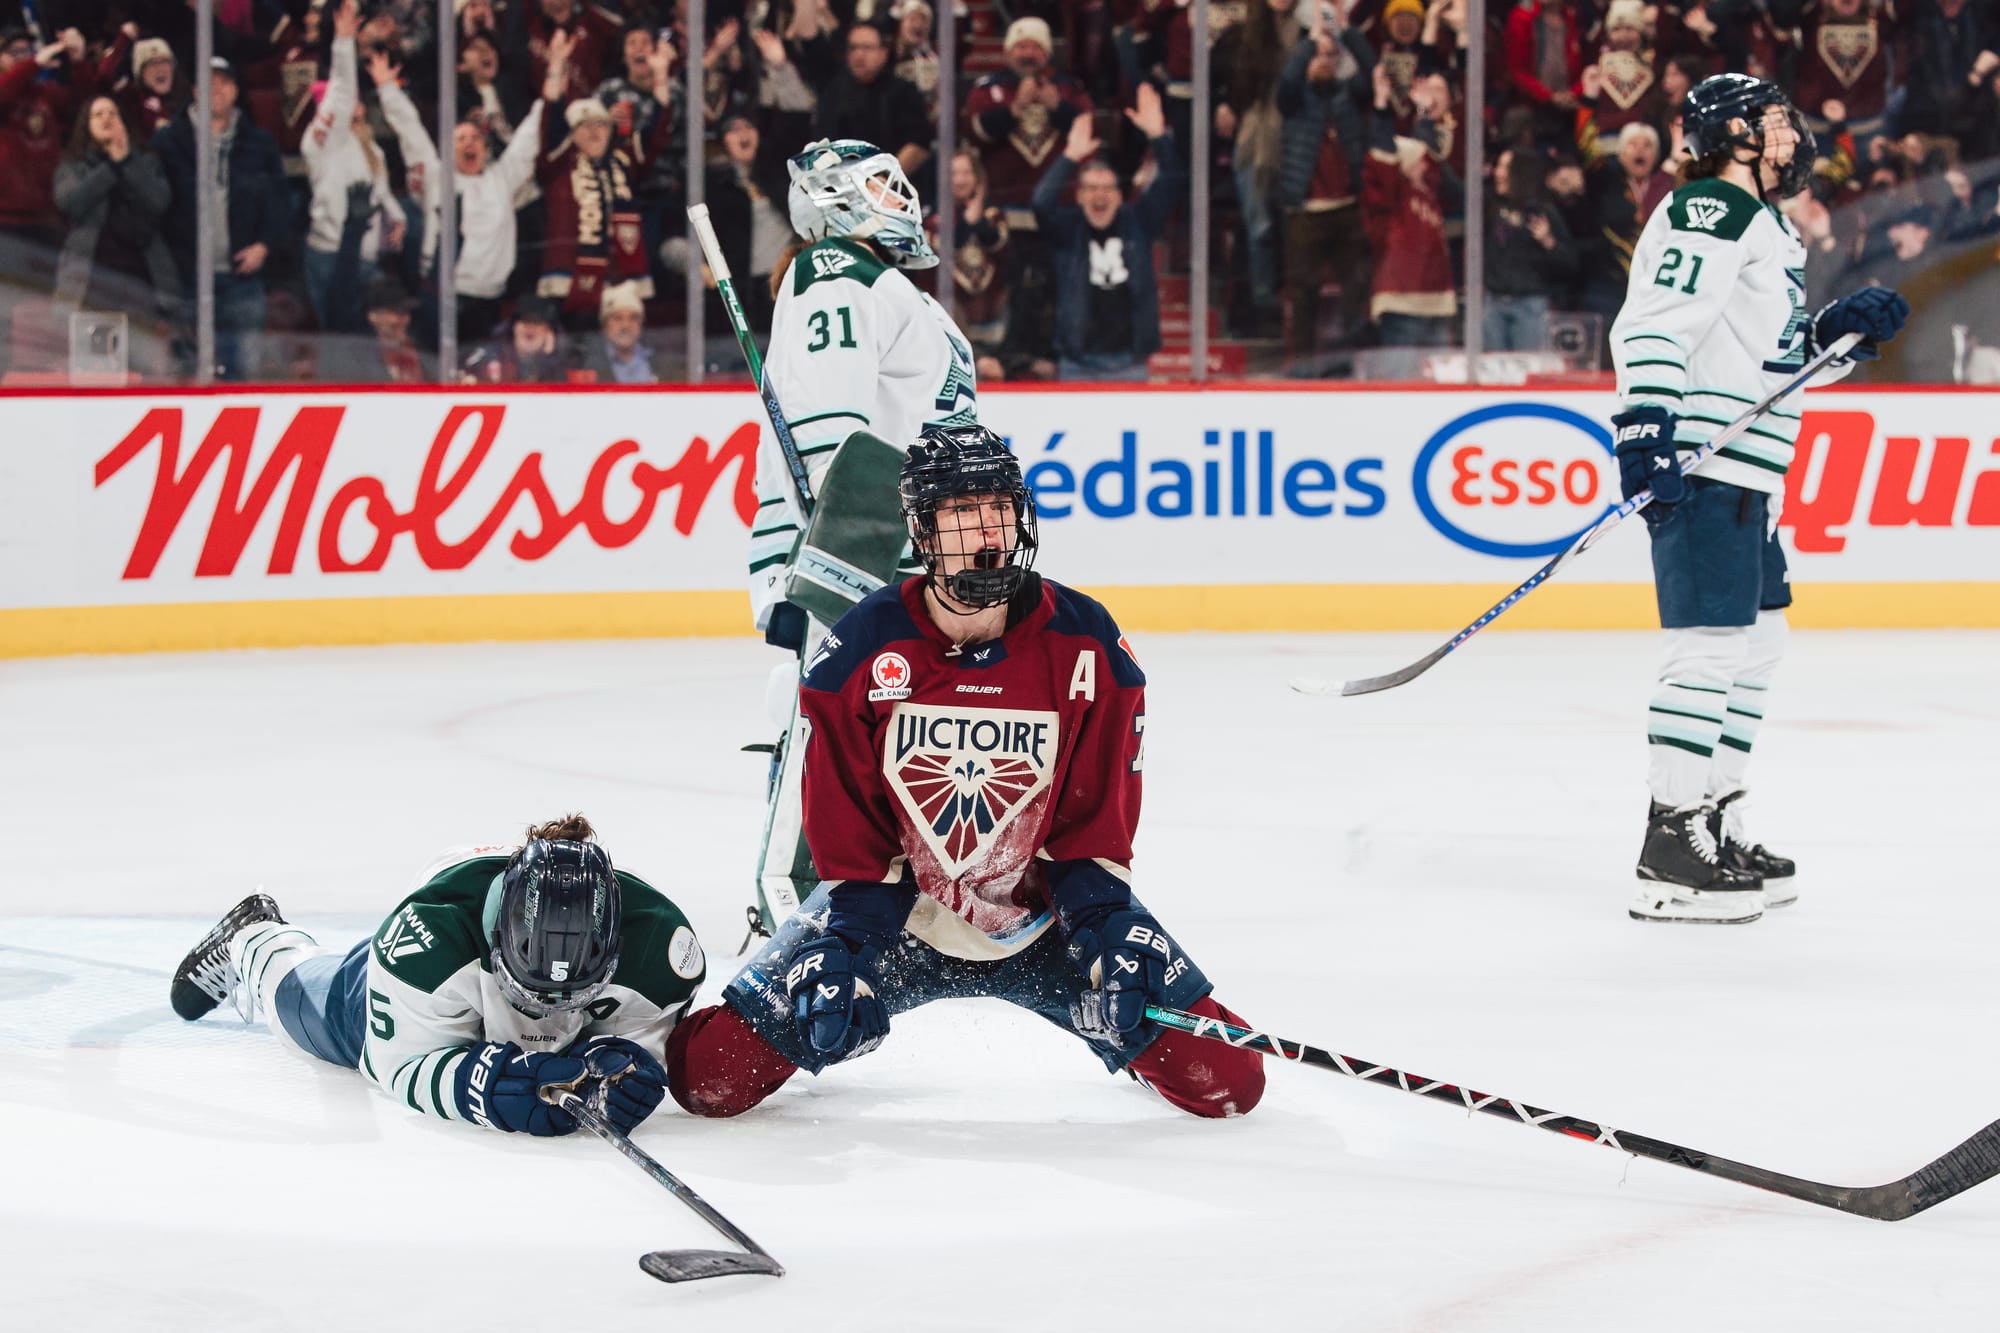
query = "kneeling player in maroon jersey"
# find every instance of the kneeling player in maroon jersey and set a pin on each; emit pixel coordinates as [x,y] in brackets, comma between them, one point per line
[971,790]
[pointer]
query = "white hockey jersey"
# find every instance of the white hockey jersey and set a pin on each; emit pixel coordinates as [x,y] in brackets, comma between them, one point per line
[432,996]
[1715,317]
[854,346]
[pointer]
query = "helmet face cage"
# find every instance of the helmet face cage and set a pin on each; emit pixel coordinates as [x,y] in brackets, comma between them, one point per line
[845,187]
[555,944]
[1714,102]
[950,462]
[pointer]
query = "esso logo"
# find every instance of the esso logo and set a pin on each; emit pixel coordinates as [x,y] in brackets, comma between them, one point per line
[1517,479]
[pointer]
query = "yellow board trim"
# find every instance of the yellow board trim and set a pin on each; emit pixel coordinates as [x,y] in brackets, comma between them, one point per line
[1440,607]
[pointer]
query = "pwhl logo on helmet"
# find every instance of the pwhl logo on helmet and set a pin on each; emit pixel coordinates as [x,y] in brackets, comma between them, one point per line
[1516,479]
[965,776]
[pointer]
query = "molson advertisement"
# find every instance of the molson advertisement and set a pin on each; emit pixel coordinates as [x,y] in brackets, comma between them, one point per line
[133,521]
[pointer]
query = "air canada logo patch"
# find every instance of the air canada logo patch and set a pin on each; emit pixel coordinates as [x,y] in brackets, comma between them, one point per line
[964,774]
[891,673]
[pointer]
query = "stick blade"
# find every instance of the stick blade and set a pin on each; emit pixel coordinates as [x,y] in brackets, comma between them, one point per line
[694,1265]
[1403,677]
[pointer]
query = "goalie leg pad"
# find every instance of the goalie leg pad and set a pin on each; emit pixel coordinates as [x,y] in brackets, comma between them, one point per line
[856,537]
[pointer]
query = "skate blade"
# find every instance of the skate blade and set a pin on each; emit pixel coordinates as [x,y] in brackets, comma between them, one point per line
[694,1265]
[1745,919]
[1784,897]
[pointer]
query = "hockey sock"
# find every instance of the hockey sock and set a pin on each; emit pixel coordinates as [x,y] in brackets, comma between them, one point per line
[263,955]
[1746,703]
[1685,719]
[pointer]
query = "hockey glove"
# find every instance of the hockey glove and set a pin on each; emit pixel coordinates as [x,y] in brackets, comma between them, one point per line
[1128,960]
[634,1083]
[500,1087]
[835,997]
[1876,313]
[1644,439]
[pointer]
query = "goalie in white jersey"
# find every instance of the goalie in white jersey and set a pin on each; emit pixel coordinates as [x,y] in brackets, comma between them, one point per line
[1714,319]
[507,971]
[860,362]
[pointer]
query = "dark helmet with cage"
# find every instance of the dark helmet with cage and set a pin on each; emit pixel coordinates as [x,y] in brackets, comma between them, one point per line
[951,462]
[555,938]
[1715,103]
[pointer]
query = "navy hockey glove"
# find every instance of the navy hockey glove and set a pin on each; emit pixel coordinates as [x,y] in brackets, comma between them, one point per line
[836,999]
[1876,313]
[1644,439]
[500,1087]
[634,1083]
[1129,961]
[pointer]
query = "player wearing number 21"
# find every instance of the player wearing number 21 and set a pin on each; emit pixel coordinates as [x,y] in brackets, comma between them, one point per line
[975,739]
[506,971]
[1715,318]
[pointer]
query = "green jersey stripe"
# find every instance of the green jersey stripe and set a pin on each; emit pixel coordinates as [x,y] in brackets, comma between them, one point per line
[1658,390]
[1655,362]
[1735,744]
[1677,712]
[1659,337]
[437,1088]
[1705,751]
[861,417]
[768,561]
[1698,689]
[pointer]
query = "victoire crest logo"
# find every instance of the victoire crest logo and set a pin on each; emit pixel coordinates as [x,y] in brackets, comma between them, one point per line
[1515,479]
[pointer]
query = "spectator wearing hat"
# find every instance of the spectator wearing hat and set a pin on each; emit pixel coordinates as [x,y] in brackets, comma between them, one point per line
[112,194]
[867,101]
[617,355]
[340,151]
[915,60]
[1107,300]
[155,93]
[249,220]
[530,352]
[1623,86]
[388,354]
[1020,118]
[595,236]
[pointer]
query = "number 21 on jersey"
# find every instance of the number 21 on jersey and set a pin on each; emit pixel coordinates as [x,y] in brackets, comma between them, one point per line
[1670,262]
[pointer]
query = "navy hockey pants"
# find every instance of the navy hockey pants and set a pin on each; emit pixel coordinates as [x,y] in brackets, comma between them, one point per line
[323,1005]
[1713,565]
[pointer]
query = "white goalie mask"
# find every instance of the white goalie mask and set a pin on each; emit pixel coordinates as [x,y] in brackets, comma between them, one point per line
[846,187]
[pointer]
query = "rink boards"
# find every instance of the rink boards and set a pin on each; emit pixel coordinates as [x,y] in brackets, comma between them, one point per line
[134,521]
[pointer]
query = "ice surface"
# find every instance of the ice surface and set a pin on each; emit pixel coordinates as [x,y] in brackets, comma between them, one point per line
[1435,877]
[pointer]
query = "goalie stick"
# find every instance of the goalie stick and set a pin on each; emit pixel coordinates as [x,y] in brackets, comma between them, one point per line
[1612,518]
[670,1265]
[781,430]
[1975,1160]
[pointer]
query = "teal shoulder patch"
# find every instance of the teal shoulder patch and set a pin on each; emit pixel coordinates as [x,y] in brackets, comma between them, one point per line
[1713,207]
[835,258]
[659,956]
[436,930]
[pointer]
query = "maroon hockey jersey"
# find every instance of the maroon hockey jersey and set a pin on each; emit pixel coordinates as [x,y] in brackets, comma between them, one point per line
[976,775]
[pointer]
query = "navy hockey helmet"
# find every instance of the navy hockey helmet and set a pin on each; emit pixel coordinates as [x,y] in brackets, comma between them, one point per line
[1714,103]
[948,462]
[555,940]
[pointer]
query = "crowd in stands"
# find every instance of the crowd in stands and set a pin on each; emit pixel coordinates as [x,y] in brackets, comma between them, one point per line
[1339,171]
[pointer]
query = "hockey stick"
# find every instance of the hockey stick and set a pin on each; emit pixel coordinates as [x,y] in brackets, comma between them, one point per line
[1975,1160]
[781,430]
[1612,518]
[670,1265]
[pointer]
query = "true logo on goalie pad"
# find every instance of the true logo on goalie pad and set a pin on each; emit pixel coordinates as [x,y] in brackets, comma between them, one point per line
[963,775]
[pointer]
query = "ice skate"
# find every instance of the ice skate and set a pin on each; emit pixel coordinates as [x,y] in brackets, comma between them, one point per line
[1738,853]
[207,977]
[1682,877]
